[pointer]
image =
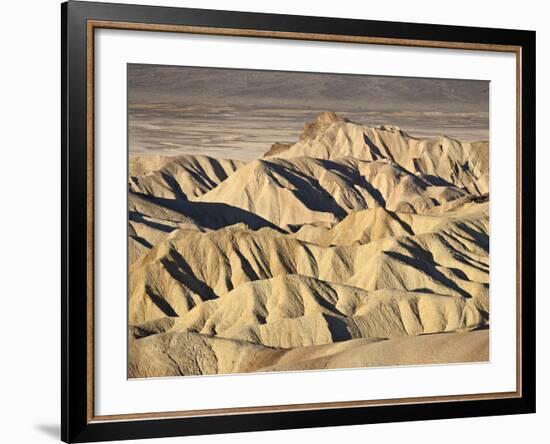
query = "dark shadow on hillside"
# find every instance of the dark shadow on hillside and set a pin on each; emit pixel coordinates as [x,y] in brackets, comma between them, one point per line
[436,180]
[308,190]
[354,179]
[212,215]
[373,148]
[136,216]
[401,222]
[182,272]
[173,185]
[338,328]
[161,303]
[428,268]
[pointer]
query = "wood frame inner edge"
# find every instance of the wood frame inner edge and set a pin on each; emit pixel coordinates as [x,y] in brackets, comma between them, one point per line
[90,103]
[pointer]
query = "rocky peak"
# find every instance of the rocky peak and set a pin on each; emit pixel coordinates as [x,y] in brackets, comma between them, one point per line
[321,121]
[328,117]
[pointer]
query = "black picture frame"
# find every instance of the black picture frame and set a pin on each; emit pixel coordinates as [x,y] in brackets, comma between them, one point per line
[77,425]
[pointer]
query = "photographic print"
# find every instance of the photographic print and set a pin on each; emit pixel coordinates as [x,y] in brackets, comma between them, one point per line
[282,221]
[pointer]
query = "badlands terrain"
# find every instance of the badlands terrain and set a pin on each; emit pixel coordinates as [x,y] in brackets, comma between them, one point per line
[355,246]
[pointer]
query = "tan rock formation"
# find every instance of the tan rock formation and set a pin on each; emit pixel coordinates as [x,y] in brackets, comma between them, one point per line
[355,246]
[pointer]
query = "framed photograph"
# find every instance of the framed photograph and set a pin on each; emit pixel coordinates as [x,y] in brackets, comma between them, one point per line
[275,221]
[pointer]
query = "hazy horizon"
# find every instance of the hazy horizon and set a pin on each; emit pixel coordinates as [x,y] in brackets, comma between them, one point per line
[235,113]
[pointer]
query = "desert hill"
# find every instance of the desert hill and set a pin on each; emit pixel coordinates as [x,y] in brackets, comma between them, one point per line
[364,226]
[463,164]
[354,246]
[190,266]
[151,219]
[290,311]
[178,177]
[304,190]
[168,354]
